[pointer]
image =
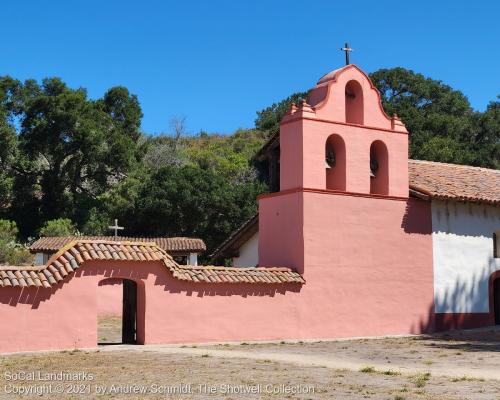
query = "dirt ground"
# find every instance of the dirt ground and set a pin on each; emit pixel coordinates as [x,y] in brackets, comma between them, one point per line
[109,329]
[462,365]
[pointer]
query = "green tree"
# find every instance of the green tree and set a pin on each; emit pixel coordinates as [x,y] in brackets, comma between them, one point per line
[226,155]
[442,125]
[8,231]
[58,227]
[268,119]
[8,139]
[73,148]
[487,143]
[182,201]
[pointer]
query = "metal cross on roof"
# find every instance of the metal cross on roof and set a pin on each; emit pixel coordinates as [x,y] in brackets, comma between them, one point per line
[347,50]
[116,228]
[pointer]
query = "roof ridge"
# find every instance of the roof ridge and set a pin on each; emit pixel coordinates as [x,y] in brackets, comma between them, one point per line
[453,165]
[170,244]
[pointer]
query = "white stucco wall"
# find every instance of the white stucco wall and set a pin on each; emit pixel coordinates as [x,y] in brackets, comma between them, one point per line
[249,253]
[193,259]
[41,258]
[463,255]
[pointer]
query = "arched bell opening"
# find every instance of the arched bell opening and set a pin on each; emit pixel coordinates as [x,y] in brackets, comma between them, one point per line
[354,107]
[335,163]
[379,168]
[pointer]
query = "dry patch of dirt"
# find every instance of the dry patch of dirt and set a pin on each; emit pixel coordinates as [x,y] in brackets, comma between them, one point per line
[471,353]
[109,329]
[154,369]
[462,365]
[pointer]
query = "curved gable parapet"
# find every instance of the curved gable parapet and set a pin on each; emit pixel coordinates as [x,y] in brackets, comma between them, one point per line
[72,256]
[336,97]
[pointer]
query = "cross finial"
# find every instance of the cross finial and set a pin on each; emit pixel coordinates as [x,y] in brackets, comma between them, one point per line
[116,228]
[347,50]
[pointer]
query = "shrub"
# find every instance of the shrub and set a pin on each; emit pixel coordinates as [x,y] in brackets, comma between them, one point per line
[8,230]
[420,380]
[58,227]
[11,252]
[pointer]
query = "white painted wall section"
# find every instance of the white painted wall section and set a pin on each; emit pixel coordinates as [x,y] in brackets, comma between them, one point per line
[193,259]
[41,258]
[463,255]
[249,253]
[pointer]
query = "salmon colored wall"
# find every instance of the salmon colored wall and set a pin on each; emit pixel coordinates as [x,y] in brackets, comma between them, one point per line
[281,239]
[169,310]
[367,261]
[63,317]
[110,297]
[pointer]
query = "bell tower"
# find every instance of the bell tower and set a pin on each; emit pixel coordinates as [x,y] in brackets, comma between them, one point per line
[341,139]
[343,216]
[337,144]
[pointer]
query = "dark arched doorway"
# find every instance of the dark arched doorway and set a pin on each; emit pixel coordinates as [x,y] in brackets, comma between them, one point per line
[129,316]
[117,321]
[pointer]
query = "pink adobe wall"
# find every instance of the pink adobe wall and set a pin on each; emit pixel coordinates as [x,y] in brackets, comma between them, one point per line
[281,238]
[110,297]
[367,261]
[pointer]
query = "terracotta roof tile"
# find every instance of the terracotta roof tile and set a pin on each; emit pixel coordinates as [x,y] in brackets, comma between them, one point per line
[169,244]
[455,182]
[75,253]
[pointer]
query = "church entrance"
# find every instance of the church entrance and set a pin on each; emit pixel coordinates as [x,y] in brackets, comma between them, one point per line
[496,300]
[117,311]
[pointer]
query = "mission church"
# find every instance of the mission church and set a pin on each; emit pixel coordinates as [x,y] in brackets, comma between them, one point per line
[355,239]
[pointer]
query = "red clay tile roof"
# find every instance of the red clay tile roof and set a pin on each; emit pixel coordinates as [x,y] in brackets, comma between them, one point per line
[74,254]
[455,182]
[169,244]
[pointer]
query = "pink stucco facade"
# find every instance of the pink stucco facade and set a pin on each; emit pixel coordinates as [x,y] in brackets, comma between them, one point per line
[367,260]
[109,297]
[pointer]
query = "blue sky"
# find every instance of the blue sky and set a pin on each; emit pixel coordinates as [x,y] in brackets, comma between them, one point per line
[218,62]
